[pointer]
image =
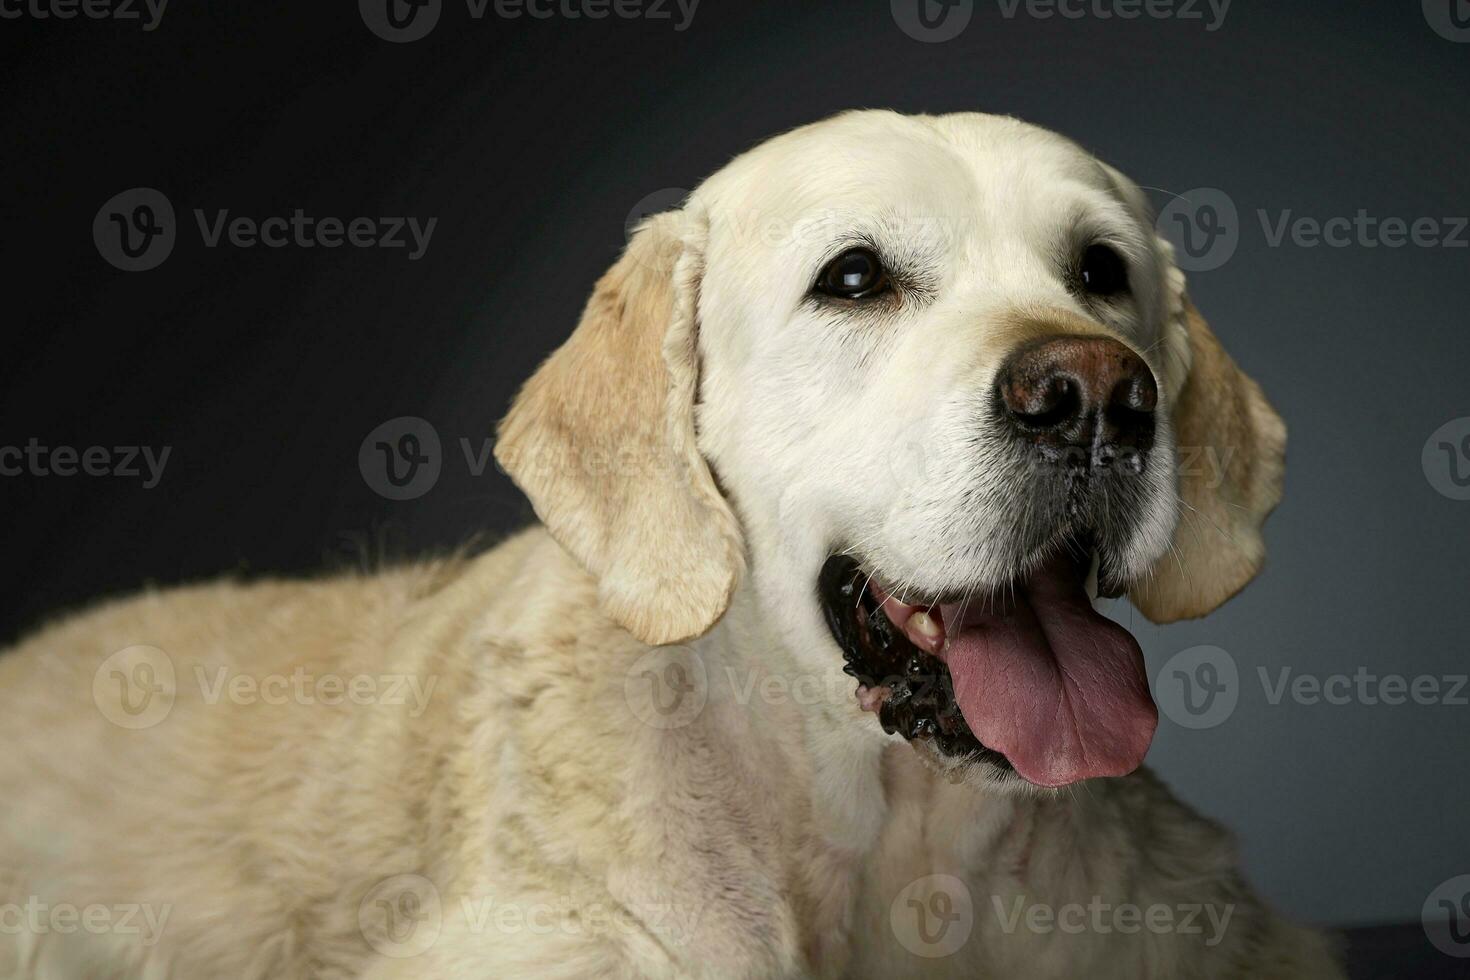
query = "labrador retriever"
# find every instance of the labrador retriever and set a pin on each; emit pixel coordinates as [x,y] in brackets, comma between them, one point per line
[800,674]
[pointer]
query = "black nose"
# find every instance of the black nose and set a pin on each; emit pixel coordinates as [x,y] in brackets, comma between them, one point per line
[1090,400]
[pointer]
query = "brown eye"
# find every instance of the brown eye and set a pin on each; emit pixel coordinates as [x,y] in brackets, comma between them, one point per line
[1103,272]
[855,274]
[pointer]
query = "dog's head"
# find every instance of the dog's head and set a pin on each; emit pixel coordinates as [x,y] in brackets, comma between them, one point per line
[928,386]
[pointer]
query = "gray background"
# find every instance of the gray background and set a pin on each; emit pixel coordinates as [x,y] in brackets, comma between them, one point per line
[531,141]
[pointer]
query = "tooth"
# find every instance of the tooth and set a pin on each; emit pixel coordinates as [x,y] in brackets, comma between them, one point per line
[1092,576]
[923,624]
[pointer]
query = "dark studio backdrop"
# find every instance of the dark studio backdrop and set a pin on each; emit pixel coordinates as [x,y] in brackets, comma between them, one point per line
[530,142]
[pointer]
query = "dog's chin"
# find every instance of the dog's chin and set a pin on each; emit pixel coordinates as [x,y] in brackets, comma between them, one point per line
[1022,686]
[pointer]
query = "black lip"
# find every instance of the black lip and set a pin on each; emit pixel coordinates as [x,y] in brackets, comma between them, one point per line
[921,705]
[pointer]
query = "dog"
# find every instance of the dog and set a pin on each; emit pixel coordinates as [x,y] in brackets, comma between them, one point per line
[799,675]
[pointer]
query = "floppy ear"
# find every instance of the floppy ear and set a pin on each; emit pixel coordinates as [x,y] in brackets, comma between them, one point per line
[1231,455]
[602,441]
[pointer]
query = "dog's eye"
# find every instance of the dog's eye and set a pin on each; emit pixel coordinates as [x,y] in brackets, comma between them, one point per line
[855,274]
[1103,272]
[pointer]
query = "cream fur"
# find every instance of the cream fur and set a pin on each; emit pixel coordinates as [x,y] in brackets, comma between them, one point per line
[535,814]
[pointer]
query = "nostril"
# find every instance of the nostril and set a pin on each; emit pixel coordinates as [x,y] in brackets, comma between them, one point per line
[1130,412]
[1136,392]
[1046,405]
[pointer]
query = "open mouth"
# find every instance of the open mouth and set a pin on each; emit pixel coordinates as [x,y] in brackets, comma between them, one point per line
[1030,678]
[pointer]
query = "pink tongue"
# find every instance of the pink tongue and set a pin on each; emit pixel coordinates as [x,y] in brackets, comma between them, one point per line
[1058,689]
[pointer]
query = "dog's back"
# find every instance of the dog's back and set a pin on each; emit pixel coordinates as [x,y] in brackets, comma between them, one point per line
[189,762]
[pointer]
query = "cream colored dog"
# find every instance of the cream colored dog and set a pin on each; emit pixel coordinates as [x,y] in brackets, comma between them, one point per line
[792,679]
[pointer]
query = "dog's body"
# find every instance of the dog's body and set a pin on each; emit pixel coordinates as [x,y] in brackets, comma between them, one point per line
[623,749]
[561,834]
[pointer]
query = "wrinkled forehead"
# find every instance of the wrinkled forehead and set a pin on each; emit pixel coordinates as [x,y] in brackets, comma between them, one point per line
[944,181]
